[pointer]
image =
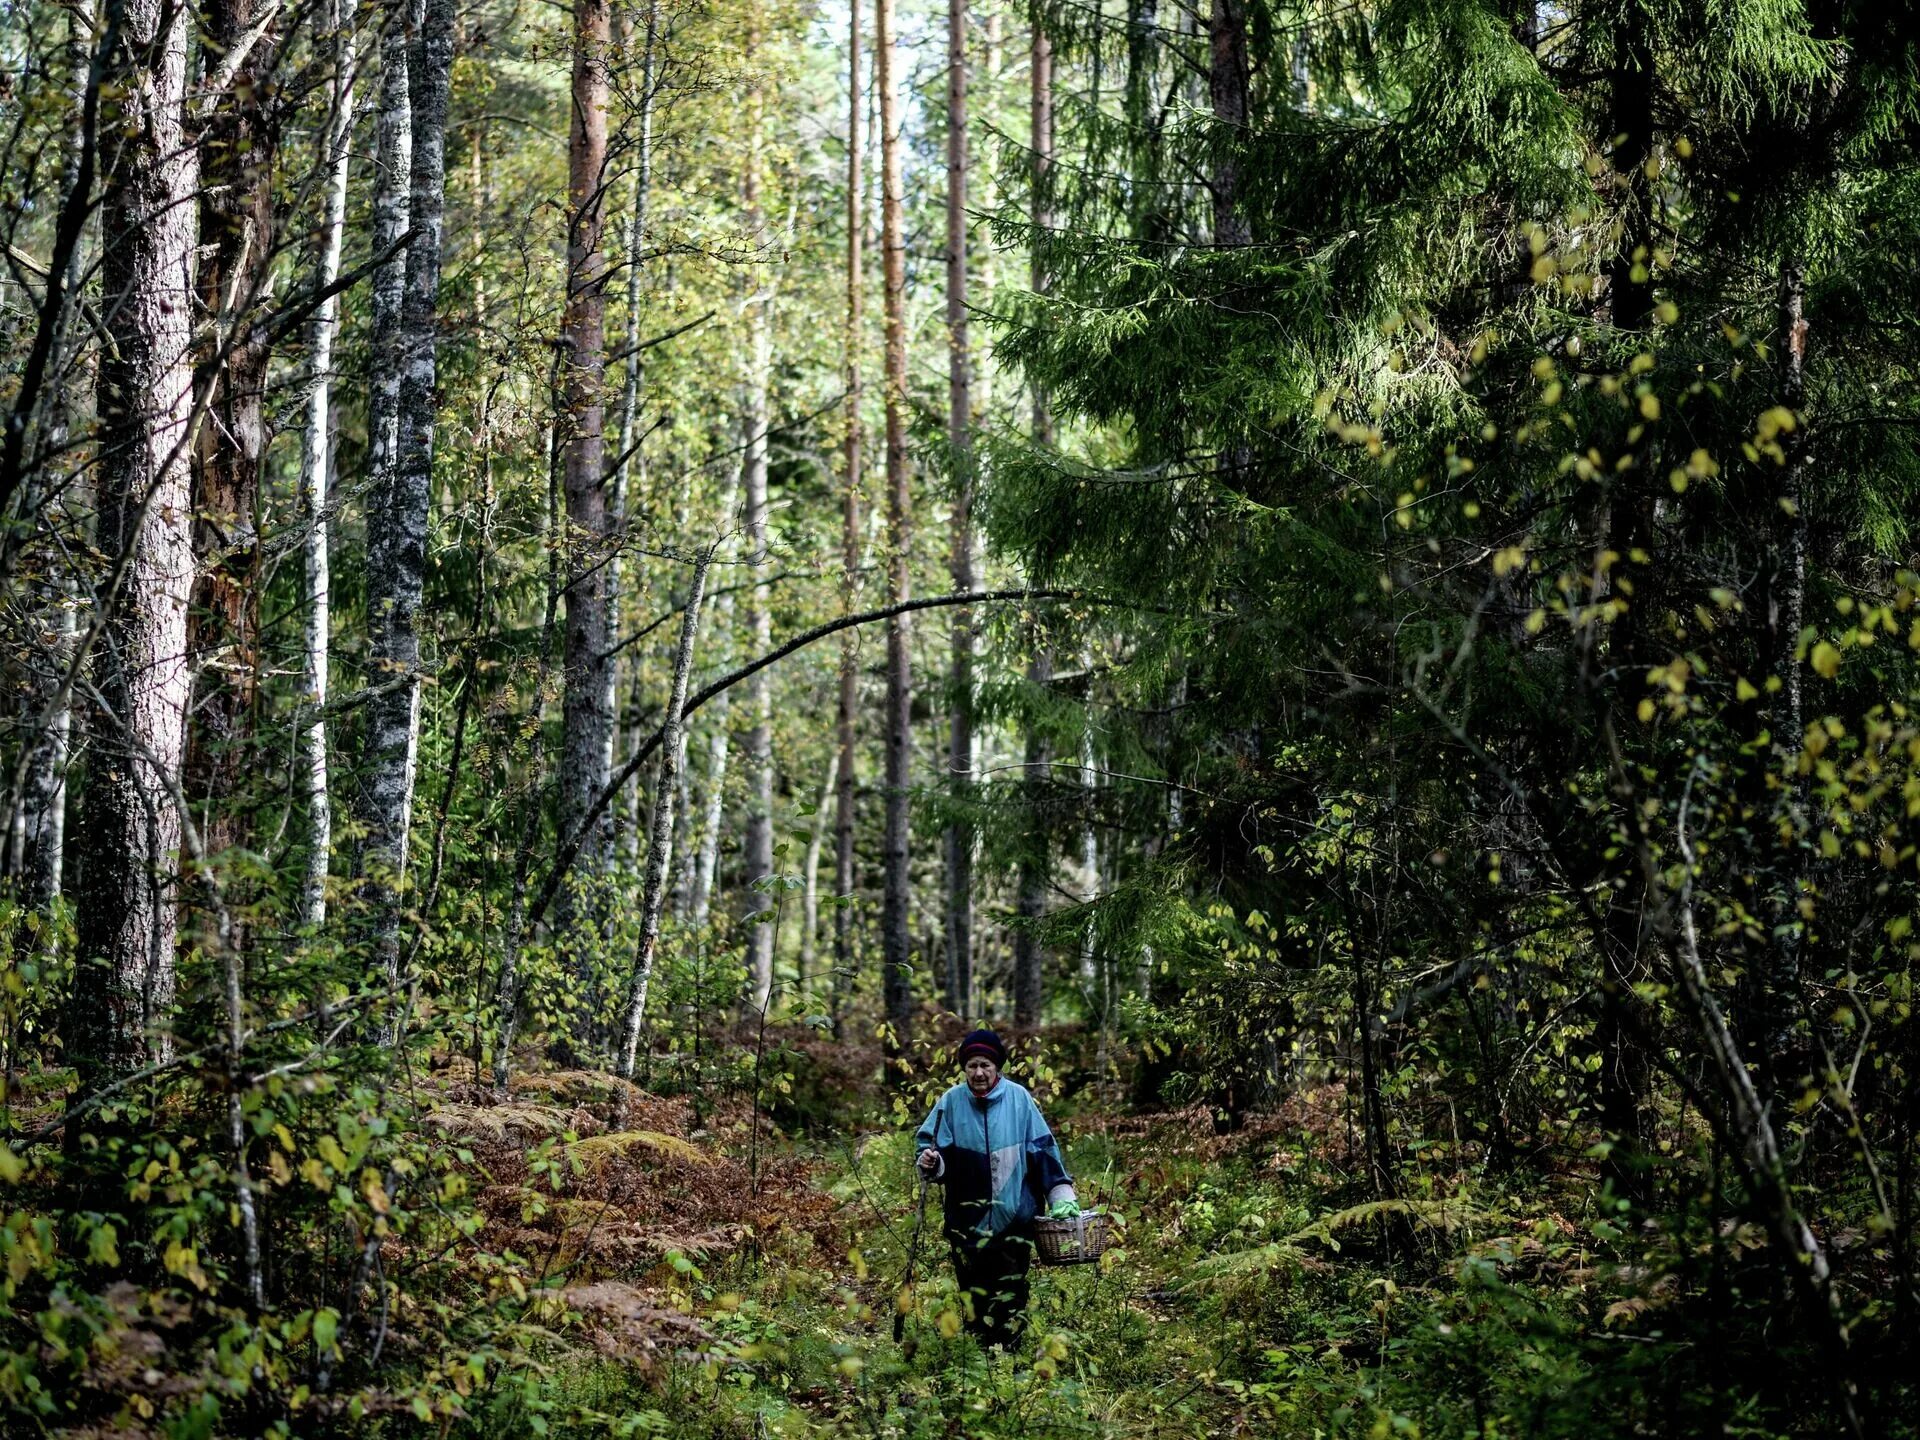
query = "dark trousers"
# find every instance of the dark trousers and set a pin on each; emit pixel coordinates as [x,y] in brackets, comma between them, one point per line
[992,1272]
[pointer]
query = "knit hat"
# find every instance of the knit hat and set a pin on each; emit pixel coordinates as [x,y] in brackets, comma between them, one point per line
[983,1042]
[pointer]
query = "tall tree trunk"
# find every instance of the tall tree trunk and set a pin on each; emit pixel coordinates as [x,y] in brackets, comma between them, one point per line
[236,251]
[1227,84]
[706,864]
[1625,1068]
[1040,140]
[397,542]
[1030,883]
[34,842]
[959,833]
[392,198]
[130,826]
[586,724]
[316,459]
[843,809]
[810,871]
[1089,868]
[1144,122]
[896,940]
[1035,867]
[628,458]
[660,838]
[1784,1059]
[759,827]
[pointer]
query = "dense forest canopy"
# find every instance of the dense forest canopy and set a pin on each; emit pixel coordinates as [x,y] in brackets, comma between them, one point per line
[583,588]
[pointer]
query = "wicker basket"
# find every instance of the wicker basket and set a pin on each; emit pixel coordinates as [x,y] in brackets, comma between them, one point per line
[1078,1241]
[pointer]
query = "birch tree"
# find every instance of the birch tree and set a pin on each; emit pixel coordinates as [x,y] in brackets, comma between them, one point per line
[587,700]
[397,533]
[754,420]
[316,461]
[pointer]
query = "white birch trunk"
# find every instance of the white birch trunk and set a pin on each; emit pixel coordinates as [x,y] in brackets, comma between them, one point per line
[315,466]
[810,894]
[759,827]
[660,838]
[397,550]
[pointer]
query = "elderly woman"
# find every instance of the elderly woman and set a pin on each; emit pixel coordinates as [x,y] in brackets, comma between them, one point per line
[988,1143]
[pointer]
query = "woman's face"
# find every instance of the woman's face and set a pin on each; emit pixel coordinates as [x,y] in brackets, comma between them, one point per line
[982,1074]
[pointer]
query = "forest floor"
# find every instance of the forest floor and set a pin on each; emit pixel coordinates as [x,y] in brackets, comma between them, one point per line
[700,1272]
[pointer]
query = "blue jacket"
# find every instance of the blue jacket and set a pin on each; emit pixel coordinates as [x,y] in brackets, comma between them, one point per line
[999,1160]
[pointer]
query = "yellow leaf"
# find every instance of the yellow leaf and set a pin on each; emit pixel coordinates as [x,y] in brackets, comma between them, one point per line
[1825,660]
[1744,689]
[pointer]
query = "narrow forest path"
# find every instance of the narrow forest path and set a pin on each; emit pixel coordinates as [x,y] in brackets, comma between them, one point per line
[1200,1320]
[698,1269]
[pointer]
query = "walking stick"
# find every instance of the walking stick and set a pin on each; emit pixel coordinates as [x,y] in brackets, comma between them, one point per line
[913,1259]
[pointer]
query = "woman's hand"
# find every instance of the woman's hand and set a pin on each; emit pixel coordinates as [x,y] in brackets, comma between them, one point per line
[929,1161]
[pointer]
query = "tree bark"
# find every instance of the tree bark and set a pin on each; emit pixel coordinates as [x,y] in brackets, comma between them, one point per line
[1035,867]
[843,810]
[392,198]
[586,725]
[1779,997]
[237,148]
[316,459]
[1144,120]
[759,827]
[397,543]
[34,840]
[1626,1070]
[129,832]
[620,501]
[958,840]
[810,870]
[660,838]
[896,896]
[1227,85]
[1040,140]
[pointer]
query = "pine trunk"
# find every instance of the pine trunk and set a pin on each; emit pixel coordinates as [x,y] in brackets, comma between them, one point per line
[1227,84]
[959,833]
[1035,868]
[896,938]
[130,824]
[236,251]
[849,699]
[1040,138]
